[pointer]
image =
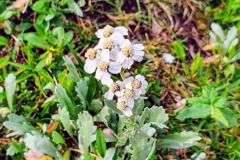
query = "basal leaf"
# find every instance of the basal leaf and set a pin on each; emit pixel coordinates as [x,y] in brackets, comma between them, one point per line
[100,143]
[36,141]
[65,119]
[179,140]
[85,130]
[10,86]
[157,116]
[110,153]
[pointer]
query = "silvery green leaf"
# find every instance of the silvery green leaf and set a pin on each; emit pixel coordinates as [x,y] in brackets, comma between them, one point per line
[10,86]
[141,147]
[86,130]
[217,29]
[179,140]
[225,46]
[36,141]
[147,129]
[232,34]
[138,106]
[75,8]
[109,153]
[65,120]
[213,38]
[82,90]
[50,86]
[14,148]
[233,44]
[157,116]
[103,115]
[71,67]
[95,105]
[19,125]
[63,99]
[236,57]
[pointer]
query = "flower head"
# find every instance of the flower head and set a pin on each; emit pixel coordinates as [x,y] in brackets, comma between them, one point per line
[168,57]
[114,89]
[122,106]
[105,67]
[130,53]
[92,60]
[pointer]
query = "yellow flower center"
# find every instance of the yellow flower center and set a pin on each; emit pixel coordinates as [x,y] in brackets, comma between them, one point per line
[107,31]
[136,84]
[102,66]
[128,93]
[114,87]
[91,53]
[108,44]
[121,105]
[127,50]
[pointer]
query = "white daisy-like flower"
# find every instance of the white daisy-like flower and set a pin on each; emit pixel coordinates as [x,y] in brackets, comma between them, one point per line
[110,45]
[130,53]
[127,95]
[105,67]
[137,84]
[122,106]
[114,89]
[92,60]
[115,34]
[168,57]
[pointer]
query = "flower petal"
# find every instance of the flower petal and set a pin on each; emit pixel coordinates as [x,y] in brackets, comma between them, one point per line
[128,112]
[99,33]
[90,66]
[106,78]
[114,67]
[98,74]
[122,30]
[109,95]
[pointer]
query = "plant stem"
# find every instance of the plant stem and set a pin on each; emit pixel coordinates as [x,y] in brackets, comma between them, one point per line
[122,75]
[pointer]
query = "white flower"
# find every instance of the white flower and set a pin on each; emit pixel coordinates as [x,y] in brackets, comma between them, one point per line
[130,53]
[122,106]
[127,95]
[104,66]
[137,84]
[110,45]
[115,34]
[114,88]
[168,57]
[92,60]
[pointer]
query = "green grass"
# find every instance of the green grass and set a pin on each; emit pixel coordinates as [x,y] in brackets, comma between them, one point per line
[32,47]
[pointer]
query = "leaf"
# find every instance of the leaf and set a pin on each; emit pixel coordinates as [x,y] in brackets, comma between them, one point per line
[86,130]
[141,147]
[179,140]
[3,61]
[14,148]
[217,29]
[138,106]
[57,138]
[35,40]
[19,125]
[196,64]
[3,41]
[40,6]
[195,111]
[75,8]
[40,64]
[40,143]
[73,71]
[82,3]
[100,143]
[232,34]
[82,90]
[147,129]
[112,105]
[96,105]
[103,115]
[64,100]
[110,153]
[179,50]
[157,116]
[65,119]
[10,87]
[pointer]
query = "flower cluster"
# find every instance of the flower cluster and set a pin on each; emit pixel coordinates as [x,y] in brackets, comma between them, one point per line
[112,54]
